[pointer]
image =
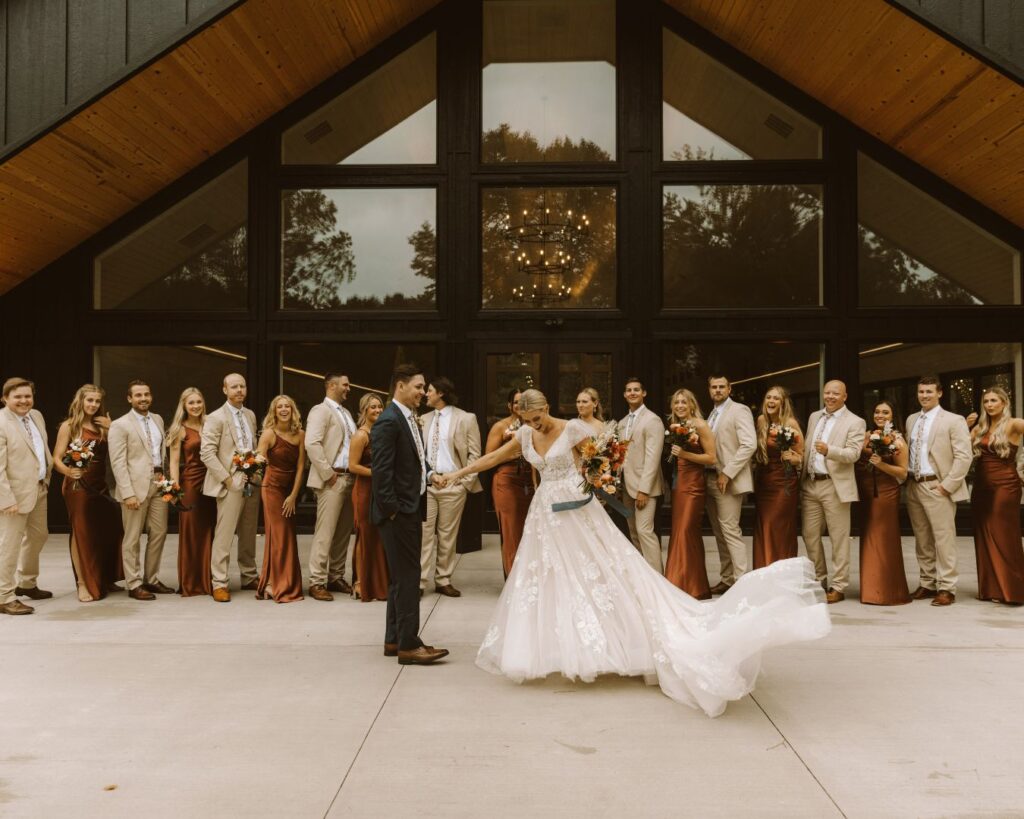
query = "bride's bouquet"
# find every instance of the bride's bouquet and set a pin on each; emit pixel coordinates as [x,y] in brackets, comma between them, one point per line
[602,459]
[251,465]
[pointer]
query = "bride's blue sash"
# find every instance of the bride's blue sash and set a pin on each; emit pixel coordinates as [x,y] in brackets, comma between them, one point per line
[611,500]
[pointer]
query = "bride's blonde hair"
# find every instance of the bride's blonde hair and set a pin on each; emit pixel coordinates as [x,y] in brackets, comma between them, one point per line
[531,400]
[998,432]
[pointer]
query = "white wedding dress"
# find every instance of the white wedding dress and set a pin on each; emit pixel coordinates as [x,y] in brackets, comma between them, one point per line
[581,601]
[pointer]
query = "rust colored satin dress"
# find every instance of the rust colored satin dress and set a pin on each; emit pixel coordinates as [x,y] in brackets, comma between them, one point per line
[883,579]
[511,491]
[369,561]
[995,508]
[685,566]
[195,527]
[775,518]
[96,530]
[281,569]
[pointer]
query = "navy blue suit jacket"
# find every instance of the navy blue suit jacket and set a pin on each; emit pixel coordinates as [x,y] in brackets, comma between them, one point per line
[394,466]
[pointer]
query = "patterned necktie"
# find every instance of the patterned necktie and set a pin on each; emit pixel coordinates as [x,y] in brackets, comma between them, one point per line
[435,439]
[28,429]
[419,450]
[149,435]
[819,434]
[915,450]
[713,419]
[243,430]
[628,434]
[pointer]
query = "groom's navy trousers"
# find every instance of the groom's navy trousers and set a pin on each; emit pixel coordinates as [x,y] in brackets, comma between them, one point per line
[402,536]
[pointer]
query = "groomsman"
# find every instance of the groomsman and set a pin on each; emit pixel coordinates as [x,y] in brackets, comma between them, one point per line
[227,430]
[136,445]
[329,431]
[452,439]
[835,437]
[641,472]
[25,467]
[940,456]
[729,479]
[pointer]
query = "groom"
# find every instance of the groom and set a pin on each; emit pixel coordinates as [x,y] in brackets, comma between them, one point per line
[399,476]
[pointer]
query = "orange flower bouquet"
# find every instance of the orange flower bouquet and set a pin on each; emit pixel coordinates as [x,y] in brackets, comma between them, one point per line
[171,492]
[601,463]
[78,455]
[251,465]
[683,435]
[882,442]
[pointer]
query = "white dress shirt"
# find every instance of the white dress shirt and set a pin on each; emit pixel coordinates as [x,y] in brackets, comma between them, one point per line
[440,429]
[341,462]
[410,416]
[821,432]
[37,443]
[151,435]
[919,463]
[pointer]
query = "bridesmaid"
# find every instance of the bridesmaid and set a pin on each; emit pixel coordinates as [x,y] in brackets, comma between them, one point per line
[368,558]
[95,518]
[196,525]
[775,492]
[283,445]
[591,413]
[995,501]
[685,566]
[511,485]
[883,579]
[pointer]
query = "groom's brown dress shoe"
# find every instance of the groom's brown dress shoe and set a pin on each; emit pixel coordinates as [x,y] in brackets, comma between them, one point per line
[35,593]
[922,593]
[390,649]
[424,655]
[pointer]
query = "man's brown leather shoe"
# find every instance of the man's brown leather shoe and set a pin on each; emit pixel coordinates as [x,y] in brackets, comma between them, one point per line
[424,655]
[222,595]
[16,607]
[922,593]
[832,596]
[34,593]
[141,593]
[944,598]
[320,593]
[252,585]
[448,591]
[157,588]
[390,649]
[721,588]
[339,586]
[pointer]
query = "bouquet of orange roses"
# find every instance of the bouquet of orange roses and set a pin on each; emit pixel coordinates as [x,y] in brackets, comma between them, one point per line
[78,456]
[602,459]
[171,492]
[251,465]
[683,435]
[882,442]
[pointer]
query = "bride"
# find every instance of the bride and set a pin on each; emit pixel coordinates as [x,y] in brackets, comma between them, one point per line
[582,601]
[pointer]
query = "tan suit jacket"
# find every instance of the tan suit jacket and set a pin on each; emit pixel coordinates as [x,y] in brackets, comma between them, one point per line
[642,470]
[463,442]
[735,445]
[325,436]
[949,451]
[19,467]
[220,442]
[131,459]
[845,441]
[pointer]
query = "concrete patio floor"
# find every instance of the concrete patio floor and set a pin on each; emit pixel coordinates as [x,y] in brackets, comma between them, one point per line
[188,708]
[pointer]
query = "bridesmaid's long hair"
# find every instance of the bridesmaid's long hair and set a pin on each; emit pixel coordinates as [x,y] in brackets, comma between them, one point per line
[76,410]
[364,406]
[999,434]
[596,398]
[691,399]
[270,419]
[785,417]
[177,429]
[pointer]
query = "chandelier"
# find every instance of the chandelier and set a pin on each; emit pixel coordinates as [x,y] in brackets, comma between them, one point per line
[543,243]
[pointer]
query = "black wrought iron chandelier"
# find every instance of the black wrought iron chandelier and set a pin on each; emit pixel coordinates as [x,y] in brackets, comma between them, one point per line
[544,244]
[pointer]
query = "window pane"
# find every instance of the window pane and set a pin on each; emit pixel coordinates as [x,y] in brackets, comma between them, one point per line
[579,370]
[168,371]
[191,257]
[891,371]
[591,276]
[549,81]
[913,250]
[507,372]
[388,118]
[359,249]
[368,367]
[751,368]
[742,245]
[708,112]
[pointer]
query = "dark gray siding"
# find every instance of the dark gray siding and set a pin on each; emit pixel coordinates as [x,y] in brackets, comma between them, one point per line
[55,54]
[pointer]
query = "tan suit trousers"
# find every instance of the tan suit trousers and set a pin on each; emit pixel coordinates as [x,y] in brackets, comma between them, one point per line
[822,510]
[641,530]
[724,514]
[933,517]
[235,513]
[440,533]
[151,517]
[334,520]
[21,540]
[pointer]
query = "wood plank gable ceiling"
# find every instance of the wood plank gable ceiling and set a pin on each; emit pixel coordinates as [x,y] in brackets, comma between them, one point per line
[179,111]
[882,70]
[894,78]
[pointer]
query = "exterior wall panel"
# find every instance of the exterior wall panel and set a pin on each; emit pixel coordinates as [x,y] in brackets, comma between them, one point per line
[36,65]
[96,45]
[151,23]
